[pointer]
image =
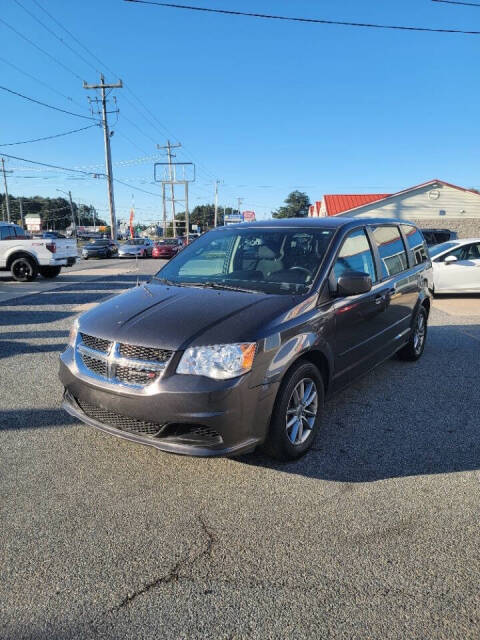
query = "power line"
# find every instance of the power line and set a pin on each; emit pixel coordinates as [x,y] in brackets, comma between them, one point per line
[364,25]
[151,114]
[58,135]
[32,77]
[54,34]
[44,104]
[125,184]
[74,38]
[40,49]
[54,166]
[465,4]
[88,173]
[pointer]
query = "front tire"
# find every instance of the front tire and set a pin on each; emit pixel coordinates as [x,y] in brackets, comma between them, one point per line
[297,413]
[24,269]
[50,272]
[414,348]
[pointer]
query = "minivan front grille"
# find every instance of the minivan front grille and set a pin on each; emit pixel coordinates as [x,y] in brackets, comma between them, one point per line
[135,366]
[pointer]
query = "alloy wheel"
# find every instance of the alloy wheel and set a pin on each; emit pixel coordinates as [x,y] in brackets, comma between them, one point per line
[419,333]
[302,411]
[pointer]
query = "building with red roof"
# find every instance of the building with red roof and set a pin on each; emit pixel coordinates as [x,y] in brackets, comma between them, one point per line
[435,203]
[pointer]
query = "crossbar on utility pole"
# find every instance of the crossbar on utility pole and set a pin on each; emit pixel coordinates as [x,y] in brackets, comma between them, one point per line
[7,201]
[108,154]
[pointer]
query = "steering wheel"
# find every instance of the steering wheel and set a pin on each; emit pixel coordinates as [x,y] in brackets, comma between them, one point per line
[306,271]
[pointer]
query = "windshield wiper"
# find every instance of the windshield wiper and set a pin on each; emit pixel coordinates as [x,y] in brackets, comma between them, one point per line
[229,287]
[166,281]
[207,285]
[147,289]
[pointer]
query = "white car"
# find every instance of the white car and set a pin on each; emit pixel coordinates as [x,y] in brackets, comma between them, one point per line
[25,257]
[456,266]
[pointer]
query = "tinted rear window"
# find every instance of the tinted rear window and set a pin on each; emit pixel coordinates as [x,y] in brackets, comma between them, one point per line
[393,256]
[415,243]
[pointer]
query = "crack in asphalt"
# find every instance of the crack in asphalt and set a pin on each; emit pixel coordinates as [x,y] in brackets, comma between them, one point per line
[173,574]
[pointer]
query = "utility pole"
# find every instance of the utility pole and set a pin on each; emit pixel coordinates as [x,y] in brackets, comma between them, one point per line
[108,155]
[171,177]
[6,189]
[20,204]
[74,230]
[215,219]
[164,204]
[74,223]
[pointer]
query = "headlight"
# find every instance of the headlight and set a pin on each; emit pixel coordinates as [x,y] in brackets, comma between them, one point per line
[221,361]
[73,333]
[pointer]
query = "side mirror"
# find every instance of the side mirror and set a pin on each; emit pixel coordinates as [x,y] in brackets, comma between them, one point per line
[352,283]
[450,259]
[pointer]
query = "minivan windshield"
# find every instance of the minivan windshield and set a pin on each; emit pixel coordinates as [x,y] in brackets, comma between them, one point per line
[276,261]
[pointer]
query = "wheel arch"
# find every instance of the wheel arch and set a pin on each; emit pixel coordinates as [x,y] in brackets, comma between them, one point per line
[20,254]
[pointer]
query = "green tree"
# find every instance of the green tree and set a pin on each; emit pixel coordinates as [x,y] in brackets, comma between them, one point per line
[204,216]
[296,206]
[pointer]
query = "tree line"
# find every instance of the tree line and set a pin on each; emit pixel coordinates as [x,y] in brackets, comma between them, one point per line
[55,212]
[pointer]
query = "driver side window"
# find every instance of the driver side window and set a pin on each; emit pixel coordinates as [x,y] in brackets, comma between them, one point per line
[355,255]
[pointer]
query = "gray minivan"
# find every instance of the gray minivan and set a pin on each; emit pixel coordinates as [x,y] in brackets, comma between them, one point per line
[238,340]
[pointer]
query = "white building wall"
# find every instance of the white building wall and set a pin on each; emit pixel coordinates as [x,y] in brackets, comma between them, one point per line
[440,202]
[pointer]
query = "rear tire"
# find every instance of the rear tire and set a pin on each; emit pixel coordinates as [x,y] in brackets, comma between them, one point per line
[297,413]
[50,272]
[24,269]
[414,348]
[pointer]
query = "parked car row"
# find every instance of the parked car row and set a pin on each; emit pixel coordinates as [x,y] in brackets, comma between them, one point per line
[133,248]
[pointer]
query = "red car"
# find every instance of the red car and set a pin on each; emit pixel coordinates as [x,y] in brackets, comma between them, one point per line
[167,248]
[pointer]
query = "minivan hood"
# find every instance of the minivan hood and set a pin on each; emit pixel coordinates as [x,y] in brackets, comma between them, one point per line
[176,317]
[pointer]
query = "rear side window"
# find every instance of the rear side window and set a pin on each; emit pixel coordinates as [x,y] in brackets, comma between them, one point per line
[415,243]
[355,255]
[7,233]
[393,256]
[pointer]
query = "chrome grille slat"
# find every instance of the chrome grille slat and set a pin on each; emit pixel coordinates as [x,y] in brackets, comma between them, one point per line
[97,366]
[134,366]
[136,352]
[99,344]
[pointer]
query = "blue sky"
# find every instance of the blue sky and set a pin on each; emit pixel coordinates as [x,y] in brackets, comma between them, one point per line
[264,106]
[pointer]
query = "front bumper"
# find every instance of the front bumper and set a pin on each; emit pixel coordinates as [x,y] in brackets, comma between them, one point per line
[126,254]
[234,416]
[94,254]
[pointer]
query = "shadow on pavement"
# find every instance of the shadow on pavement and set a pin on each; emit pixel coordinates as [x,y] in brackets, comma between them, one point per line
[9,348]
[402,419]
[13,419]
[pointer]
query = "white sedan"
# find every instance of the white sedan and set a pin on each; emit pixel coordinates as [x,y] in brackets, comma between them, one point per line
[456,266]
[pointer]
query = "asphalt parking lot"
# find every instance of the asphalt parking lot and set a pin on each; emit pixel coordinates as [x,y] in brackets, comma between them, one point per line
[373,534]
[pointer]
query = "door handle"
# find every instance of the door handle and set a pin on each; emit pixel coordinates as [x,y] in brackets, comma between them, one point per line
[379,299]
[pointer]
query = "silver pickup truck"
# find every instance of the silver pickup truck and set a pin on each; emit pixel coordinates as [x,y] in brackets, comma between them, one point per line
[26,257]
